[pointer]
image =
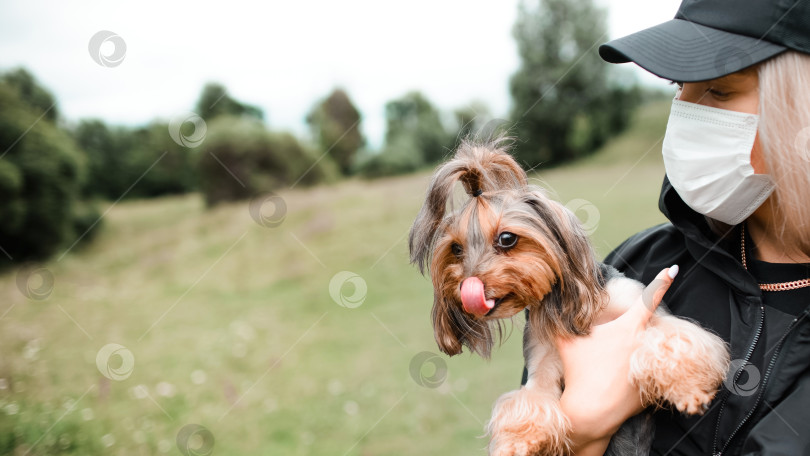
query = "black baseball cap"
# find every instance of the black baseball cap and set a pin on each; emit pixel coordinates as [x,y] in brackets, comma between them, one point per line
[712,38]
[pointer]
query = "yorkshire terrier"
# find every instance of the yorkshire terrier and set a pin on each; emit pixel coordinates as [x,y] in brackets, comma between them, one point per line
[510,247]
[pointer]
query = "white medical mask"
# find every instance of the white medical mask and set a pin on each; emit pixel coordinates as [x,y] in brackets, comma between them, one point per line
[707,155]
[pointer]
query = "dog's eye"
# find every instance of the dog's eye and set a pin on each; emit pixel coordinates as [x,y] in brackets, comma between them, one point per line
[457,249]
[507,240]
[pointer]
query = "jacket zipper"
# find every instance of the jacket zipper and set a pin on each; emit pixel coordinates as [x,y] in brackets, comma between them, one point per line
[737,375]
[765,377]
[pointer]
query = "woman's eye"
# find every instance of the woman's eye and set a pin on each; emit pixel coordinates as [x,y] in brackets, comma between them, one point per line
[718,93]
[456,249]
[507,240]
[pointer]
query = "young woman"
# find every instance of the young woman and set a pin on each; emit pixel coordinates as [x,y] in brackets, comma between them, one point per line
[737,194]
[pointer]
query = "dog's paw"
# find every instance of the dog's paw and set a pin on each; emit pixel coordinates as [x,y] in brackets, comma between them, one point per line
[681,364]
[693,404]
[527,423]
[519,448]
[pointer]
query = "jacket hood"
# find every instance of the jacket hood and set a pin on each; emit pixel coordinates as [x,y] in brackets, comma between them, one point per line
[719,254]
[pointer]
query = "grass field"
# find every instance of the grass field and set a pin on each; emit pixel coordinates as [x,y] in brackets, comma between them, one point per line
[231,325]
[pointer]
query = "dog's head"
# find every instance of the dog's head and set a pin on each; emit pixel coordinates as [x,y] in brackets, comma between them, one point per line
[506,248]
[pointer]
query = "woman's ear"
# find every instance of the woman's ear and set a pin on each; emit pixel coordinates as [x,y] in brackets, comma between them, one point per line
[757,159]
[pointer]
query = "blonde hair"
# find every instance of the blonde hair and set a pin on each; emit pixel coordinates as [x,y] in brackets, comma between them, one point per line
[784,134]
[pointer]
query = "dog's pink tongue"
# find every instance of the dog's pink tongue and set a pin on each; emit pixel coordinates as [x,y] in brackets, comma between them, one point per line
[472,297]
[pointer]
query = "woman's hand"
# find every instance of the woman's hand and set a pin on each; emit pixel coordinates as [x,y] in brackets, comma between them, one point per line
[598,395]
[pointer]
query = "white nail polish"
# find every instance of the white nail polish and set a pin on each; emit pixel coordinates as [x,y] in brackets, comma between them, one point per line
[673,271]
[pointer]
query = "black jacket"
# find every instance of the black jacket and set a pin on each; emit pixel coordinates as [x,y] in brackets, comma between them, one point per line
[716,291]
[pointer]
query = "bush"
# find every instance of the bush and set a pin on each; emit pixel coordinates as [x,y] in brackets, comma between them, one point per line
[32,94]
[240,158]
[41,174]
[401,156]
[106,148]
[413,118]
[566,102]
[172,165]
[335,126]
[215,101]
[119,157]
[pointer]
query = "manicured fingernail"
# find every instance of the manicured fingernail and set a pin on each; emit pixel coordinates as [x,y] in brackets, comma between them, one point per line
[673,271]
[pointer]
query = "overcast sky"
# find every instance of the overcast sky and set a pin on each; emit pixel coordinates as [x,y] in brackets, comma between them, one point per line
[280,56]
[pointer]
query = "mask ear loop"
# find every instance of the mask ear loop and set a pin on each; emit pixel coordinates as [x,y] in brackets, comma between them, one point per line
[679,85]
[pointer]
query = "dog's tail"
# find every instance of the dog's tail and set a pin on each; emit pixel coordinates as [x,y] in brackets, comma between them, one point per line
[481,167]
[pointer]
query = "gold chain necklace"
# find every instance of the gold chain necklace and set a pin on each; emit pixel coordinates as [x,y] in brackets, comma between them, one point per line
[782,286]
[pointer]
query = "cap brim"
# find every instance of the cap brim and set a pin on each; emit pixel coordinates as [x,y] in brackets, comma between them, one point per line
[684,51]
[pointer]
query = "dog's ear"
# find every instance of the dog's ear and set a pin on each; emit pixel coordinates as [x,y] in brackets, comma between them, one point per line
[423,232]
[446,327]
[577,296]
[480,168]
[453,329]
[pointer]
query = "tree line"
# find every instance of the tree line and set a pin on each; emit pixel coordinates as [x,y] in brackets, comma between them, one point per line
[565,104]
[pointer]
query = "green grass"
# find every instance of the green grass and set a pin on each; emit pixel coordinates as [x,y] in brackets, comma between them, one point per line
[237,319]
